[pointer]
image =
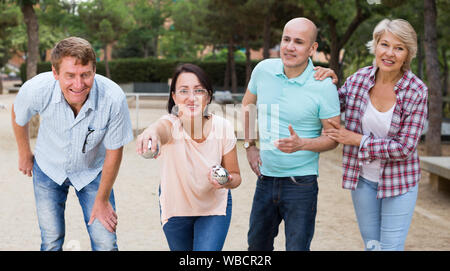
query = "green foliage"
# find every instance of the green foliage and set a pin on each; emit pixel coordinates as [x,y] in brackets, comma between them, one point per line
[177,44]
[137,25]
[144,35]
[222,55]
[8,21]
[106,20]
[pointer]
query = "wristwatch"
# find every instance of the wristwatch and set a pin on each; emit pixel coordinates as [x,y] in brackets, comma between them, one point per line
[248,144]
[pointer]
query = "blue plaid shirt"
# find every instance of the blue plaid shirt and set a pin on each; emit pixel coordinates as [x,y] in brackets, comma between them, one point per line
[103,123]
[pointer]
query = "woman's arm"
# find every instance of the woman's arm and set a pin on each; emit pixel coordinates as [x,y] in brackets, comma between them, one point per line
[159,132]
[398,148]
[405,142]
[230,163]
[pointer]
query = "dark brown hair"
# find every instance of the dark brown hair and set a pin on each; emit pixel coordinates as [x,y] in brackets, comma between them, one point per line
[76,47]
[201,75]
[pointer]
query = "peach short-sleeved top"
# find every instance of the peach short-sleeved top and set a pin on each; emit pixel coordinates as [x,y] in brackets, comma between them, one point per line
[185,165]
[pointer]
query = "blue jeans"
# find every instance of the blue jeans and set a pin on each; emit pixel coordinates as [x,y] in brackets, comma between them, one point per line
[198,233]
[292,199]
[51,203]
[383,223]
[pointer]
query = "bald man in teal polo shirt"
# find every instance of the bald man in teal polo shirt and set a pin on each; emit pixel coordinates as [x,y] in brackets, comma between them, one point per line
[293,108]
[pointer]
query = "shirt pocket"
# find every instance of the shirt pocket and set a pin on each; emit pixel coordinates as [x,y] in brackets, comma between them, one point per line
[353,102]
[94,138]
[352,112]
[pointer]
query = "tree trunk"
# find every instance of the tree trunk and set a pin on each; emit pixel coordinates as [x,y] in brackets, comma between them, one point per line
[1,84]
[226,79]
[420,56]
[32,24]
[145,48]
[106,61]
[334,48]
[232,66]
[445,74]
[338,42]
[155,46]
[433,137]
[266,32]
[33,39]
[248,63]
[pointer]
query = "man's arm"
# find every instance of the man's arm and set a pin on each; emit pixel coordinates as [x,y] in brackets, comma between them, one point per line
[102,209]
[23,145]
[319,144]
[249,112]
[249,116]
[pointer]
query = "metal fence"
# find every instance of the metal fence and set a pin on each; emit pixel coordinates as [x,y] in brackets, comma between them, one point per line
[137,96]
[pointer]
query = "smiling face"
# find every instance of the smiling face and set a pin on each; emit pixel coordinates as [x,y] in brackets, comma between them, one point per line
[190,96]
[297,44]
[75,80]
[390,53]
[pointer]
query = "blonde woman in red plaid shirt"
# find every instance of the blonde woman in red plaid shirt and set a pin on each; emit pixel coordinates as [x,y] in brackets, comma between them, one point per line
[385,107]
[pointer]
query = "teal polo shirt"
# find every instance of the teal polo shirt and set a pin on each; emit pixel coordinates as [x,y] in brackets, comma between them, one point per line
[302,102]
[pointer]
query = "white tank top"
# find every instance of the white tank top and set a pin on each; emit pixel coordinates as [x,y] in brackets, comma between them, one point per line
[377,123]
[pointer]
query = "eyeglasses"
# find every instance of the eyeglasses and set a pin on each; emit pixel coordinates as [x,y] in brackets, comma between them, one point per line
[196,92]
[83,150]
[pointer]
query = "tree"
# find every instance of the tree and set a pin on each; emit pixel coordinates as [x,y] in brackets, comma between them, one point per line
[106,21]
[258,25]
[149,21]
[222,21]
[8,19]
[31,21]
[443,22]
[187,34]
[142,40]
[433,137]
[338,20]
[57,20]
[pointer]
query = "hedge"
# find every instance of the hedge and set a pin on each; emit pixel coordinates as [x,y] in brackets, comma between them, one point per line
[156,70]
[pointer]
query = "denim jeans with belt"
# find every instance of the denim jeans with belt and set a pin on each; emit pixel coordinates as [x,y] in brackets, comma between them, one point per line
[51,203]
[292,199]
[198,233]
[383,223]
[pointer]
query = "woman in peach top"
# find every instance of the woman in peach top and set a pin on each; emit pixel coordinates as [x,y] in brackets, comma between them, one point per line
[195,208]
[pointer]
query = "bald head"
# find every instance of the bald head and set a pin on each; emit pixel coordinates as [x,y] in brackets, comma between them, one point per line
[304,24]
[297,45]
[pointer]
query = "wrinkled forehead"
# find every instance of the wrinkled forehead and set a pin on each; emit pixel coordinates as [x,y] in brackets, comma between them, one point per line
[75,65]
[390,37]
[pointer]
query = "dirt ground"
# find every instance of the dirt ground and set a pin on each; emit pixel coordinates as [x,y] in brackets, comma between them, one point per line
[136,193]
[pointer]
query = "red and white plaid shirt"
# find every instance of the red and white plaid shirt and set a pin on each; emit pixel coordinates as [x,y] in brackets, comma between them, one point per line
[400,168]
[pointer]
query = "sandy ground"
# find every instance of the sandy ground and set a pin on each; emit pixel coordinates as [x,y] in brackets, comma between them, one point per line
[136,192]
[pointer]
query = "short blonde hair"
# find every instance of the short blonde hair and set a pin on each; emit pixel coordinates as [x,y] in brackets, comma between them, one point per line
[76,47]
[403,30]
